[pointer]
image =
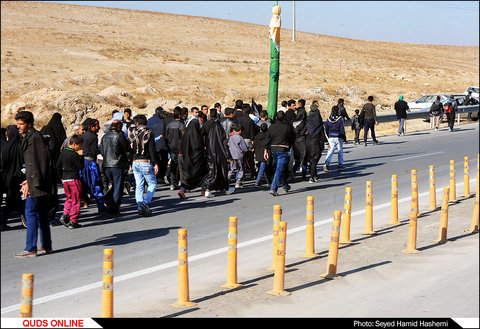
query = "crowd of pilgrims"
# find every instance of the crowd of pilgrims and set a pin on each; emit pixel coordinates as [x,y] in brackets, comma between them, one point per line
[213,150]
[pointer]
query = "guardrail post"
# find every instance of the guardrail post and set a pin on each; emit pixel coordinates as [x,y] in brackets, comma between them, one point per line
[453,195]
[369,210]
[333,249]
[232,255]
[394,202]
[466,177]
[309,230]
[433,193]
[27,295]
[183,288]
[279,276]
[277,218]
[347,213]
[107,292]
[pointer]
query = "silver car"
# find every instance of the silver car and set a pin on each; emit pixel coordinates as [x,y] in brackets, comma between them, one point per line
[426,101]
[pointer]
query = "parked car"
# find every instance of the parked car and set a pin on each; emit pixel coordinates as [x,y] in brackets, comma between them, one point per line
[426,101]
[474,91]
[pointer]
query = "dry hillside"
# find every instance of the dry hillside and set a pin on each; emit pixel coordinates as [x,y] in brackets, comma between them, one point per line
[86,61]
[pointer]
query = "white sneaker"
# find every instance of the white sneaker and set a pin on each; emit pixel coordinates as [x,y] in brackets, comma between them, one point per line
[208,194]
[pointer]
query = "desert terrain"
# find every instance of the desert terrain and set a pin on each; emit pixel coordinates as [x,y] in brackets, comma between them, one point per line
[87,61]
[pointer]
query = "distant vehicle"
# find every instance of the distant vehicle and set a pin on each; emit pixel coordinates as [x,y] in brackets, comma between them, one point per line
[474,91]
[426,101]
[460,98]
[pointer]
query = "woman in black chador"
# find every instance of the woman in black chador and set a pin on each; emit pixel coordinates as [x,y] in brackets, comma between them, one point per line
[11,175]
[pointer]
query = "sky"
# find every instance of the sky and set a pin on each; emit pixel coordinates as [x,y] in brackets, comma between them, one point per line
[422,22]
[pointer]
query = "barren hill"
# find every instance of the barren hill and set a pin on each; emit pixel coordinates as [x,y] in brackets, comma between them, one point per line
[86,61]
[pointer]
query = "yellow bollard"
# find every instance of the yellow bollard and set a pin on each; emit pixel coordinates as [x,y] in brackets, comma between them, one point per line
[107,292]
[333,249]
[453,194]
[279,276]
[442,236]
[433,193]
[415,201]
[369,210]
[277,217]
[394,202]
[415,188]
[232,255]
[412,231]
[183,289]
[466,177]
[27,295]
[309,231]
[347,213]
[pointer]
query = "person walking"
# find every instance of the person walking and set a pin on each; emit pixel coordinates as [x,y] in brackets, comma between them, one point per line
[282,138]
[370,120]
[238,149]
[173,142]
[357,126]
[263,155]
[449,108]
[315,140]
[115,151]
[335,130]
[436,112]
[11,175]
[69,165]
[145,163]
[401,108]
[35,188]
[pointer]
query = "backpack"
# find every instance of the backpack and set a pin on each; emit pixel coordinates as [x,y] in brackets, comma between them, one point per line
[448,108]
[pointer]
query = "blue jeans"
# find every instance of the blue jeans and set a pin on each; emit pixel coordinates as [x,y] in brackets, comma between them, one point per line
[335,143]
[36,214]
[115,176]
[280,178]
[143,171]
[262,172]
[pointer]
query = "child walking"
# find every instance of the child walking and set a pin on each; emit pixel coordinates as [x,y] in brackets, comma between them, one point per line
[357,126]
[69,165]
[238,147]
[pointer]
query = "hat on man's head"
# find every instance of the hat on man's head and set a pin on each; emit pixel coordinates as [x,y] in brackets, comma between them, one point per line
[401,97]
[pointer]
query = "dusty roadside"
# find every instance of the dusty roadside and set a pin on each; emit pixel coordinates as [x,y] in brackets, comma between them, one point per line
[377,278]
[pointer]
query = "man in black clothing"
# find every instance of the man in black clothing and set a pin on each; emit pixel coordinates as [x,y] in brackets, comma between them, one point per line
[156,124]
[343,111]
[282,138]
[370,120]
[91,177]
[290,113]
[35,188]
[228,120]
[173,142]
[115,151]
[401,108]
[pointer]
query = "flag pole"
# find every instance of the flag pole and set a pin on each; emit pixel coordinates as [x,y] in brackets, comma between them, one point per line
[275,24]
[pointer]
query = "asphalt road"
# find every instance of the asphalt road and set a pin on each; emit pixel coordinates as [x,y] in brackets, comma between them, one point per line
[68,282]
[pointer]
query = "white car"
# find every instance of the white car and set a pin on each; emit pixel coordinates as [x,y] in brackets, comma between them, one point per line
[426,101]
[474,91]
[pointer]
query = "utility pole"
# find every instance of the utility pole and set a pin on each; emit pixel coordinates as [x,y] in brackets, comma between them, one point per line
[293,30]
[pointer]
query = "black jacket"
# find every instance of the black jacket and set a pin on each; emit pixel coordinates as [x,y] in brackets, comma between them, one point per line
[173,136]
[115,150]
[35,156]
[90,144]
[282,136]
[69,164]
[401,107]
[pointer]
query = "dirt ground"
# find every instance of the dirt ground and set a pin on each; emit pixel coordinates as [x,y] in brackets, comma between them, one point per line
[376,278]
[86,61]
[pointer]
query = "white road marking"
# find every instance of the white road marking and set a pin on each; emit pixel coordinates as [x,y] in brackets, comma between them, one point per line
[171,264]
[418,156]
